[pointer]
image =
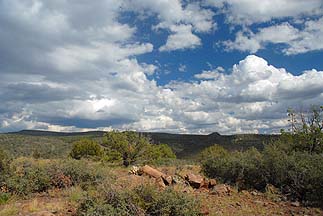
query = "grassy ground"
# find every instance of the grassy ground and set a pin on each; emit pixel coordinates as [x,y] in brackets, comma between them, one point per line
[65,201]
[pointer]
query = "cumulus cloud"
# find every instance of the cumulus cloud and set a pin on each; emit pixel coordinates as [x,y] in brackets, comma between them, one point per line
[183,20]
[210,74]
[252,11]
[297,41]
[182,38]
[65,67]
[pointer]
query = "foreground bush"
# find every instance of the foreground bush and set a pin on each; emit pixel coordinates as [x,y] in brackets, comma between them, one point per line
[299,174]
[246,170]
[294,163]
[144,200]
[28,175]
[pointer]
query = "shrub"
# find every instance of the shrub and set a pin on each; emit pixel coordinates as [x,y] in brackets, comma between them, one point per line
[215,151]
[86,148]
[4,197]
[158,154]
[131,147]
[143,200]
[299,174]
[3,162]
[242,168]
[28,175]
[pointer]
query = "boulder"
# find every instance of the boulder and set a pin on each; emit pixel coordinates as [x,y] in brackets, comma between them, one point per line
[212,183]
[134,170]
[160,182]
[148,170]
[168,180]
[221,190]
[196,181]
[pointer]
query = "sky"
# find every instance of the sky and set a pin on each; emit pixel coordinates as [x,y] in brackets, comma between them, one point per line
[178,66]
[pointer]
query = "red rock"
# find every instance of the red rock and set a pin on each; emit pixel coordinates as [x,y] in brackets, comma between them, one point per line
[151,172]
[212,183]
[221,190]
[167,180]
[160,182]
[196,181]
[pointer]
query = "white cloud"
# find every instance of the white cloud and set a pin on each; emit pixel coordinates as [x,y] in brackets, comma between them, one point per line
[210,74]
[182,68]
[182,38]
[297,41]
[182,20]
[252,11]
[84,73]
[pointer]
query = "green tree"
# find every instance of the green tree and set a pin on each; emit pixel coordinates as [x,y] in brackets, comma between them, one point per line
[306,133]
[158,153]
[86,148]
[214,151]
[131,146]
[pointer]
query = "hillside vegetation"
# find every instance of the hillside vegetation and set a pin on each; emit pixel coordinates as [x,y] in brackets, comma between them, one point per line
[57,145]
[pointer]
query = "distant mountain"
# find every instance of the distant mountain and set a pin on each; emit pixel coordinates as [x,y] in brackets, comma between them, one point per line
[184,145]
[53,133]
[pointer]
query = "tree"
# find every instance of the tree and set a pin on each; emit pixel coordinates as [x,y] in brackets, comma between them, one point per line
[306,133]
[130,146]
[86,148]
[213,151]
[157,153]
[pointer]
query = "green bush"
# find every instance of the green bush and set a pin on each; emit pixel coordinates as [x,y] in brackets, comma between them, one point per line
[131,147]
[298,174]
[214,151]
[28,175]
[245,169]
[4,197]
[3,161]
[158,154]
[143,200]
[86,148]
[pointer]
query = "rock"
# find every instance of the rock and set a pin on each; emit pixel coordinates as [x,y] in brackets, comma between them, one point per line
[202,190]
[178,180]
[134,170]
[151,172]
[254,193]
[196,181]
[212,183]
[168,180]
[160,182]
[295,204]
[221,190]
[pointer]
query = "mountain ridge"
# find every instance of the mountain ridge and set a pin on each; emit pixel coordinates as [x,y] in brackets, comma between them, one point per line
[184,145]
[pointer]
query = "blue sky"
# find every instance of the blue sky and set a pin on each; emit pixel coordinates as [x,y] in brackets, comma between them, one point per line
[231,66]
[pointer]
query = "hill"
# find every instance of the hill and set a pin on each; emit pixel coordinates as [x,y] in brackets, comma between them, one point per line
[58,144]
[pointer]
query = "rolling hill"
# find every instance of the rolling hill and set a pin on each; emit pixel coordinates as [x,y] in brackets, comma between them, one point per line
[58,144]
